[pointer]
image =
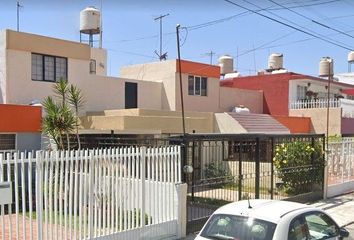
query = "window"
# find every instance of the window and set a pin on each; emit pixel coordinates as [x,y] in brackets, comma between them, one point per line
[93,66]
[321,226]
[301,92]
[197,85]
[224,226]
[49,68]
[7,141]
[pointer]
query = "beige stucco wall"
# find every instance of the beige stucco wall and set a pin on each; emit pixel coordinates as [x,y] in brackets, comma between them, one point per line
[164,72]
[100,55]
[3,67]
[149,120]
[319,119]
[209,103]
[233,97]
[51,46]
[100,92]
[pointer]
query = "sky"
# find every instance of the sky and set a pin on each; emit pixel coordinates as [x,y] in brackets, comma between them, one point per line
[249,30]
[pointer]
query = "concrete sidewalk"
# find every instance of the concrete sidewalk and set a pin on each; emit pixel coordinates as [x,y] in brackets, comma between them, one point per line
[340,208]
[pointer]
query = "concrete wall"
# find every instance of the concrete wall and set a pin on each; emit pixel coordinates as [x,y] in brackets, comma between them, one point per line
[163,72]
[232,97]
[142,120]
[100,92]
[319,119]
[2,66]
[100,55]
[28,141]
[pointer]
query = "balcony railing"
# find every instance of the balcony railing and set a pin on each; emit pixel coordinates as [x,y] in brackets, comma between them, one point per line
[316,103]
[347,105]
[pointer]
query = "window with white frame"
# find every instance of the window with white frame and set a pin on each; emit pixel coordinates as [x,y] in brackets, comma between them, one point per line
[301,92]
[49,68]
[197,85]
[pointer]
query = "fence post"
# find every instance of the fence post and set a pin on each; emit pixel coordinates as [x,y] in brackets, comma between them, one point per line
[39,192]
[91,191]
[143,180]
[181,190]
[257,178]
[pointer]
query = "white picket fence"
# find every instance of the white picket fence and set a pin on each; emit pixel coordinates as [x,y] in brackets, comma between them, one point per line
[340,166]
[121,193]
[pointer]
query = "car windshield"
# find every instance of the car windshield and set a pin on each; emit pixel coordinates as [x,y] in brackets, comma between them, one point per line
[224,226]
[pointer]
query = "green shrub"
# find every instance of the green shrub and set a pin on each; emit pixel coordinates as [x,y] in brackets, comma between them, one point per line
[299,166]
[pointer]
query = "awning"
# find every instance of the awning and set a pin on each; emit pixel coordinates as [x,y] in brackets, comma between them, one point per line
[349,91]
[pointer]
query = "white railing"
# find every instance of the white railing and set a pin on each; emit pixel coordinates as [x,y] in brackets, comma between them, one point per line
[347,105]
[124,193]
[318,103]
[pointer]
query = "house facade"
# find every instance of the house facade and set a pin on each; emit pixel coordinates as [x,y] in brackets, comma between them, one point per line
[144,99]
[20,127]
[297,95]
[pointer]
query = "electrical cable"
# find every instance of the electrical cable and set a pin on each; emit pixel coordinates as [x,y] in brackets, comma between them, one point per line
[314,21]
[290,26]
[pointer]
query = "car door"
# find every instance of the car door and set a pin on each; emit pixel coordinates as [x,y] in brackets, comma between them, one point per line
[321,226]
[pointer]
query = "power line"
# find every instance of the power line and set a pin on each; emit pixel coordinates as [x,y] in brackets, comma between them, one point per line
[314,21]
[288,25]
[301,27]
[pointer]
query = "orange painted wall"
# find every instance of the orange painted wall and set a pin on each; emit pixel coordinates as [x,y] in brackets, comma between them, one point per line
[200,69]
[295,124]
[20,118]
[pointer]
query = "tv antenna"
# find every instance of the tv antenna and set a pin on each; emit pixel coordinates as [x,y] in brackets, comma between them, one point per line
[210,54]
[162,56]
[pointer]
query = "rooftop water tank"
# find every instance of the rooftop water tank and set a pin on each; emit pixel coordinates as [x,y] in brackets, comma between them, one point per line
[240,109]
[351,57]
[226,64]
[326,67]
[275,61]
[90,20]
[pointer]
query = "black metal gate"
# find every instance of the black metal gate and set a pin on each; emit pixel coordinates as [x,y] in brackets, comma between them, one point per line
[230,168]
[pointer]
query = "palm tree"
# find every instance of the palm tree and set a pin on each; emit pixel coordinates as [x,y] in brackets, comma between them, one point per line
[76,100]
[51,120]
[61,90]
[60,118]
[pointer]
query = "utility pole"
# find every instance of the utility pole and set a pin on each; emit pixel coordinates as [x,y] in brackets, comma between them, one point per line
[18,15]
[211,54]
[161,55]
[180,78]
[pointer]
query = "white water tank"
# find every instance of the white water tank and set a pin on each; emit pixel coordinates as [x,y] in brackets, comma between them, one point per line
[226,64]
[326,67]
[275,61]
[351,57]
[240,109]
[90,20]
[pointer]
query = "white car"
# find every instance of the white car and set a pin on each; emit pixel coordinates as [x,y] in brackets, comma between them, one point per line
[270,219]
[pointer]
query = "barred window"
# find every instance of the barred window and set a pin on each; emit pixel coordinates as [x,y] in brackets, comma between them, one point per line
[48,68]
[7,141]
